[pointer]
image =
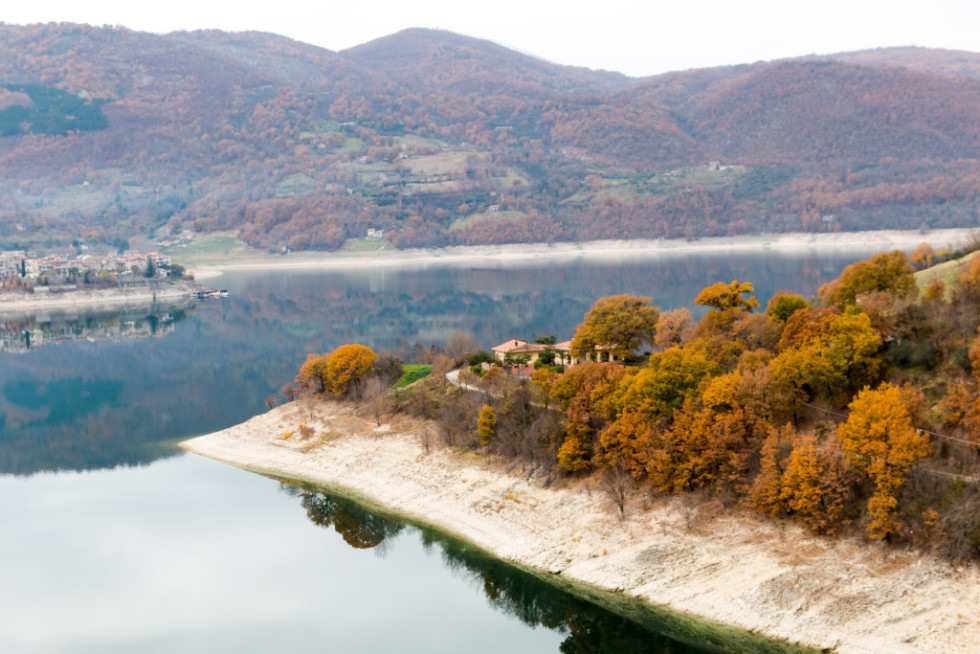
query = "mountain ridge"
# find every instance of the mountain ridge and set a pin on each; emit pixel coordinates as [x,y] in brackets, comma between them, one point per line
[443,139]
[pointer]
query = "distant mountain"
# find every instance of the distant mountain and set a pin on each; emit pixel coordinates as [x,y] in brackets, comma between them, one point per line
[430,60]
[949,63]
[437,138]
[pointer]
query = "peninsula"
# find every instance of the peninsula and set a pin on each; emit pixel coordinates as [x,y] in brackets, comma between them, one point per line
[741,570]
[640,455]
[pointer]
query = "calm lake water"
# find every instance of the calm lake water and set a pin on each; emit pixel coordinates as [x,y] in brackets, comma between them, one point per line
[113,540]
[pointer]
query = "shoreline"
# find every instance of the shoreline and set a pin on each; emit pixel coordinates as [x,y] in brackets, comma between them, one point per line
[20,303]
[767,577]
[522,253]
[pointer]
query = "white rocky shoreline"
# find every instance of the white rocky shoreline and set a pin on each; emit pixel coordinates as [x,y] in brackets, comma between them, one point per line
[522,253]
[14,302]
[766,577]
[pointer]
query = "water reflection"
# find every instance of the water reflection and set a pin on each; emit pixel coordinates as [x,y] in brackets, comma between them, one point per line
[19,333]
[589,627]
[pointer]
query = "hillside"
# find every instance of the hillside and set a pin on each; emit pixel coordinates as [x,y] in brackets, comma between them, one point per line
[438,138]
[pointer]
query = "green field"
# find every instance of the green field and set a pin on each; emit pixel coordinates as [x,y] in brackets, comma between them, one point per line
[413,373]
[948,272]
[207,245]
[364,244]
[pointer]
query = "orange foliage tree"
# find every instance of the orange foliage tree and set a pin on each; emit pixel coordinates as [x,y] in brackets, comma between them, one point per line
[339,372]
[880,441]
[313,373]
[583,392]
[347,366]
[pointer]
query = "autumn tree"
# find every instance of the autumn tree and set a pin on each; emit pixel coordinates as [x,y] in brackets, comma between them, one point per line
[724,296]
[617,325]
[831,358]
[347,366]
[784,304]
[923,257]
[880,441]
[674,327]
[486,426]
[313,375]
[671,377]
[888,271]
[583,392]
[766,492]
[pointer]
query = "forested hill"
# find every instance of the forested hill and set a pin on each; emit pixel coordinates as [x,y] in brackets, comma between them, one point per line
[438,138]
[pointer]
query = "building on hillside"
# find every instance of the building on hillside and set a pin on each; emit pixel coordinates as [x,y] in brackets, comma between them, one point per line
[515,347]
[564,352]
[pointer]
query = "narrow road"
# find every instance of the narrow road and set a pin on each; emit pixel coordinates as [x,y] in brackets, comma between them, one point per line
[453,378]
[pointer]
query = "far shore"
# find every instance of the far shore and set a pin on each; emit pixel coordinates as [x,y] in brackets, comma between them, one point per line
[15,303]
[205,268]
[767,577]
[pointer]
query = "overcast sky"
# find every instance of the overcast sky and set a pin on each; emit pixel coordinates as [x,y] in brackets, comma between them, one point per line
[636,37]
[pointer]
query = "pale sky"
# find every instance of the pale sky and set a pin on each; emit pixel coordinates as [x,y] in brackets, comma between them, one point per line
[630,36]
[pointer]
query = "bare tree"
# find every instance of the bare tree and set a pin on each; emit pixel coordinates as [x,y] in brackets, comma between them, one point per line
[457,418]
[289,391]
[688,506]
[426,434]
[460,344]
[310,401]
[618,485]
[375,397]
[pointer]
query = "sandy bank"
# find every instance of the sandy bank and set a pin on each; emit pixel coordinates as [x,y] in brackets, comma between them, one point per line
[761,576]
[20,303]
[522,254]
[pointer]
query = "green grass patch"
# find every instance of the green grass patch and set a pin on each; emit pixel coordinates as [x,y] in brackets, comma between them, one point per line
[352,145]
[444,163]
[208,244]
[327,126]
[486,217]
[412,140]
[413,373]
[296,184]
[364,244]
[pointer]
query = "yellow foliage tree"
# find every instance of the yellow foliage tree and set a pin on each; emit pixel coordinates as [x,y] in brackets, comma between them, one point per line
[888,271]
[486,426]
[616,325]
[347,365]
[880,441]
[724,296]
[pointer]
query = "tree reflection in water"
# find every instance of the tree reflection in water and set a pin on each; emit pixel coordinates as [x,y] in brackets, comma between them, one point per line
[590,628]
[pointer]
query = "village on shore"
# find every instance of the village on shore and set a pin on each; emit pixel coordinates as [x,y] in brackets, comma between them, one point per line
[25,270]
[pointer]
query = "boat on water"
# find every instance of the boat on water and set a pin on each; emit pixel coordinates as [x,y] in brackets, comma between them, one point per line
[209,293]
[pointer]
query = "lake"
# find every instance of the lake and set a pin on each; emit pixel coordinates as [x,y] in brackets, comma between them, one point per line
[113,540]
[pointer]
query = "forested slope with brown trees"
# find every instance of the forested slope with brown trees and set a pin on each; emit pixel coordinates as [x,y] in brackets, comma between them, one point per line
[856,412]
[439,139]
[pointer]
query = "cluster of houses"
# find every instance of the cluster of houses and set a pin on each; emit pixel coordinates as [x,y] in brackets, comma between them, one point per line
[21,263]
